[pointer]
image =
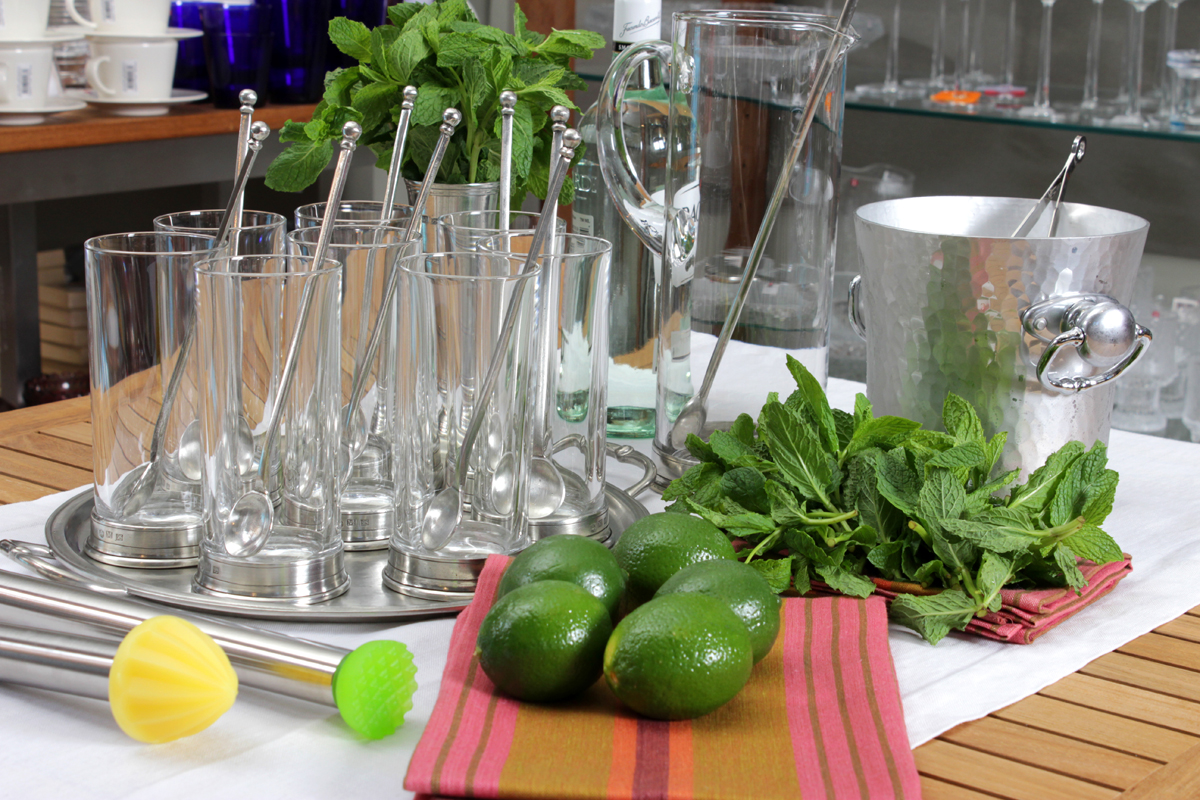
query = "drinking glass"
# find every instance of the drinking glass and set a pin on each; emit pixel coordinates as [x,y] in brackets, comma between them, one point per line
[976,76]
[455,305]
[891,89]
[1191,401]
[462,231]
[570,418]
[366,252]
[1041,99]
[1185,90]
[1131,116]
[247,310]
[261,232]
[237,48]
[310,215]
[300,40]
[937,61]
[1166,43]
[1138,402]
[141,301]
[1091,79]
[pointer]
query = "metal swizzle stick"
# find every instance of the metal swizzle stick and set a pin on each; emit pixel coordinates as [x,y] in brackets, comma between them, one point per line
[445,510]
[450,119]
[693,416]
[140,488]
[353,429]
[508,103]
[249,99]
[252,515]
[272,662]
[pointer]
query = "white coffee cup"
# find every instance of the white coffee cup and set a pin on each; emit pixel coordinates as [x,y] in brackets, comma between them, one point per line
[132,69]
[25,74]
[23,20]
[133,17]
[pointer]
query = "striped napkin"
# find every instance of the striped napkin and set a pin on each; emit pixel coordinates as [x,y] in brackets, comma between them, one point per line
[1025,614]
[820,718]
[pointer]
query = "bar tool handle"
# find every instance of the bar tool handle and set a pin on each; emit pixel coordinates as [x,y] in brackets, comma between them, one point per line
[1101,330]
[854,311]
[627,455]
[633,200]
[41,559]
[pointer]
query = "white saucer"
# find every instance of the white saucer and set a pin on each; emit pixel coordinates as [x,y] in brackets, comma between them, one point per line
[137,107]
[53,36]
[36,116]
[170,33]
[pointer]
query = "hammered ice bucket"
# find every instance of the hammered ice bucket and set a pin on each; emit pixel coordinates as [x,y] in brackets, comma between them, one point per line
[1030,331]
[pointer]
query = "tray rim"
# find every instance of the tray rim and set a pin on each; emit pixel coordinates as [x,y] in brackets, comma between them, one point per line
[78,563]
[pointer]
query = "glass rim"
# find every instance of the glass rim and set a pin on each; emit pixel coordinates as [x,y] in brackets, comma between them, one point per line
[91,245]
[362,224]
[343,203]
[783,20]
[337,266]
[602,245]
[278,218]
[402,263]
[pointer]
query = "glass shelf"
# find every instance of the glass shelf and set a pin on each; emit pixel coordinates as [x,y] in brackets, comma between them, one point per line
[1072,118]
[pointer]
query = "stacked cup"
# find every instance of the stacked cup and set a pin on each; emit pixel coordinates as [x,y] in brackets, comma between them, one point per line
[133,52]
[29,84]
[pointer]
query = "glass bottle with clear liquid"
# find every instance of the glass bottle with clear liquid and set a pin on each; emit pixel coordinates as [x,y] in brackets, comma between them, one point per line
[633,284]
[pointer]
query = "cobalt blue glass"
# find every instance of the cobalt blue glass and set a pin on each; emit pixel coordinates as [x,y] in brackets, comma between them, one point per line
[301,29]
[371,13]
[191,69]
[237,46]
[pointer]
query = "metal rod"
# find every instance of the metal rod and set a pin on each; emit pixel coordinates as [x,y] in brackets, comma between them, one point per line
[248,98]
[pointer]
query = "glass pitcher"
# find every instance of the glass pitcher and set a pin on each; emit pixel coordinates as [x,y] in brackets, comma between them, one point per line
[736,84]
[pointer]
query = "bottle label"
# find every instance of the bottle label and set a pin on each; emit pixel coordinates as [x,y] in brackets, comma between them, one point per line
[636,21]
[109,11]
[583,224]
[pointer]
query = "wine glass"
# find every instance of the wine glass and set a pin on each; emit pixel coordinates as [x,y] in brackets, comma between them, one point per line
[937,65]
[1132,116]
[1041,100]
[1091,78]
[1166,43]
[975,74]
[891,89]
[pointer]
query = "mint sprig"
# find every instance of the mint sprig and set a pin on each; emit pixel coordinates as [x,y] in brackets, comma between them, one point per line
[836,497]
[454,61]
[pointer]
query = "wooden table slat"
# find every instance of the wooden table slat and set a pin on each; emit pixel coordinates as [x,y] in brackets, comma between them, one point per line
[934,789]
[31,420]
[1179,780]
[13,490]
[1099,727]
[35,470]
[1127,701]
[1049,751]
[1134,671]
[1165,650]
[1185,627]
[1007,779]
[62,451]
[80,432]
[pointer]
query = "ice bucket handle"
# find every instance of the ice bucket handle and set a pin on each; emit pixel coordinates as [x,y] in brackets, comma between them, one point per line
[1102,331]
[854,308]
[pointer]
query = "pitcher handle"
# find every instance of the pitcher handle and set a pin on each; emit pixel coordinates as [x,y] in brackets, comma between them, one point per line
[632,199]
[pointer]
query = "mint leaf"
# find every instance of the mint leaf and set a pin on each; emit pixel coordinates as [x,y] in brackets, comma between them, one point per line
[961,421]
[457,48]
[800,458]
[931,572]
[570,44]
[994,572]
[776,571]
[299,166]
[886,558]
[519,23]
[401,13]
[728,447]
[941,497]
[292,132]
[844,423]
[1100,496]
[1095,545]
[933,616]
[881,432]
[1036,492]
[337,87]
[896,481]
[743,429]
[747,487]
[963,456]
[1064,559]
[374,101]
[692,481]
[862,492]
[815,403]
[431,103]
[1074,487]
[404,55]
[987,536]
[700,449]
[449,10]
[862,409]
[846,582]
[800,576]
[351,37]
[785,509]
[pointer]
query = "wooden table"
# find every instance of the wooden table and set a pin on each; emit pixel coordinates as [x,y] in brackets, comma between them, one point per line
[1126,725]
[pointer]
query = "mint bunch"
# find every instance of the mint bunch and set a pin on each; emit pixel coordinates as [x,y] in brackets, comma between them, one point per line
[819,494]
[454,61]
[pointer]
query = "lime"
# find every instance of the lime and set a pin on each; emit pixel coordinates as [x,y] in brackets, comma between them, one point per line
[679,656]
[544,642]
[575,559]
[654,548]
[739,586]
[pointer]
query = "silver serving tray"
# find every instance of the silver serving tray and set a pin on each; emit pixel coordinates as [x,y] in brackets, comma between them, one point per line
[366,601]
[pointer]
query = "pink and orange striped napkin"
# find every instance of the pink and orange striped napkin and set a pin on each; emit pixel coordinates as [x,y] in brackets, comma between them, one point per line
[820,718]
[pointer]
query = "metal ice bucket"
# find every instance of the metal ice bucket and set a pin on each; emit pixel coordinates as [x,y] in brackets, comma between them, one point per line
[1030,331]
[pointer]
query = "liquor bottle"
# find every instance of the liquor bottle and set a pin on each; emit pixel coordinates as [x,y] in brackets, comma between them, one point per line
[633,315]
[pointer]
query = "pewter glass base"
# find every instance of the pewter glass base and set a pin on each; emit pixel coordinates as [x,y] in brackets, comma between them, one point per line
[164,538]
[280,571]
[367,515]
[431,577]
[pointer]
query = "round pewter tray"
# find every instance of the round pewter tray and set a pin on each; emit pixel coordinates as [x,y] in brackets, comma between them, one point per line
[366,601]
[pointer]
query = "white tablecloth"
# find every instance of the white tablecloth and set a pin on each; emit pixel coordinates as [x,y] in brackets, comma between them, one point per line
[56,746]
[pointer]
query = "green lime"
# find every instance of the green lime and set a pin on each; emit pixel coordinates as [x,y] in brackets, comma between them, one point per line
[544,642]
[575,559]
[739,586]
[678,657]
[654,548]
